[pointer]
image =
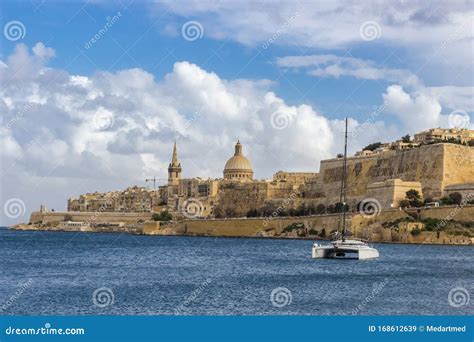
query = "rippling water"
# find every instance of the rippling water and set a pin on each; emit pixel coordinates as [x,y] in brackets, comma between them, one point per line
[57,273]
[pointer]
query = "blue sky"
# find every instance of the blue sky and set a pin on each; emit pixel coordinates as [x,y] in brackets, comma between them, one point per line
[141,39]
[80,116]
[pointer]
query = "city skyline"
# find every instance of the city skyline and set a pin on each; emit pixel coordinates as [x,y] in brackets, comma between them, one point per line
[92,97]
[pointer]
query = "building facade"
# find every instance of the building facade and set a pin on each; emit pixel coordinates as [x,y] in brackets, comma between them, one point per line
[434,170]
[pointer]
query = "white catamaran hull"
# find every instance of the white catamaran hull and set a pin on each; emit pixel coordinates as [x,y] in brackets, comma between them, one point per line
[344,252]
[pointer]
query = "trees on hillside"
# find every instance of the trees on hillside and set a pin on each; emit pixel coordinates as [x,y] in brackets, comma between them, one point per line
[414,198]
[372,147]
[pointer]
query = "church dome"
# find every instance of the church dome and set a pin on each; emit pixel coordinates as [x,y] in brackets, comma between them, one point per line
[238,167]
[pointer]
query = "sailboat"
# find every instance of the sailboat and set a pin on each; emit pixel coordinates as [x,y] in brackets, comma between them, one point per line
[342,248]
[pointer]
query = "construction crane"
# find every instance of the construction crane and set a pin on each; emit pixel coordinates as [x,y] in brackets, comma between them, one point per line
[152,180]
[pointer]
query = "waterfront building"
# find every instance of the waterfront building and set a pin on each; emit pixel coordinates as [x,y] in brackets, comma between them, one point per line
[434,170]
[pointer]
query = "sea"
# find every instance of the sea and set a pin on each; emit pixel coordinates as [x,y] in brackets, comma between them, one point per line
[73,273]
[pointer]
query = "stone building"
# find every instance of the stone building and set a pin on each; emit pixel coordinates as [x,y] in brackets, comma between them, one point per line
[462,134]
[137,199]
[391,192]
[238,167]
[435,170]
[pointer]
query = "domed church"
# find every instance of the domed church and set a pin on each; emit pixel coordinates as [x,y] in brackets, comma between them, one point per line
[238,167]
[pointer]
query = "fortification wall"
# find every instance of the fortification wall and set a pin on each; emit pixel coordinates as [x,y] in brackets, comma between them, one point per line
[92,217]
[434,166]
[251,227]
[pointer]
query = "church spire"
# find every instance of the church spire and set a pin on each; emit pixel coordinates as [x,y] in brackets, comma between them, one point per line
[238,148]
[174,159]
[174,169]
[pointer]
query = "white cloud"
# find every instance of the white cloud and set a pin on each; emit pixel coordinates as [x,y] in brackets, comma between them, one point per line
[336,66]
[66,134]
[418,110]
[439,32]
[454,98]
[43,52]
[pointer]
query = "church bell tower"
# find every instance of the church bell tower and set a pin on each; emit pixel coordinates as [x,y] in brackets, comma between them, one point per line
[174,169]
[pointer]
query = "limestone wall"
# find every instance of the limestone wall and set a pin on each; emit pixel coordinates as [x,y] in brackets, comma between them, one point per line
[251,227]
[434,166]
[391,192]
[92,217]
[360,226]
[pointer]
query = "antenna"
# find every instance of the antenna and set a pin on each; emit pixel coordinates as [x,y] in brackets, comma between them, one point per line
[152,180]
[343,186]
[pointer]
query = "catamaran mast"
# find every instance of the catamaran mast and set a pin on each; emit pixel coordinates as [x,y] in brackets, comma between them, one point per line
[343,186]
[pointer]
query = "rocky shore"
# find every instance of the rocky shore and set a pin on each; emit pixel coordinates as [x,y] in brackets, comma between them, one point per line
[449,225]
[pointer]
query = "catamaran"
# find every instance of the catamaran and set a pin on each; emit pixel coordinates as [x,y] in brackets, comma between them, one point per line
[342,248]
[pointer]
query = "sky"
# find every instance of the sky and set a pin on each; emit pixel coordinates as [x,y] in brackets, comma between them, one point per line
[93,94]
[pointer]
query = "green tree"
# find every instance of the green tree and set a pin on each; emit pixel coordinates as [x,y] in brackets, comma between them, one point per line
[427,200]
[406,138]
[404,203]
[455,197]
[413,196]
[218,212]
[339,207]
[321,209]
[163,216]
[372,147]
